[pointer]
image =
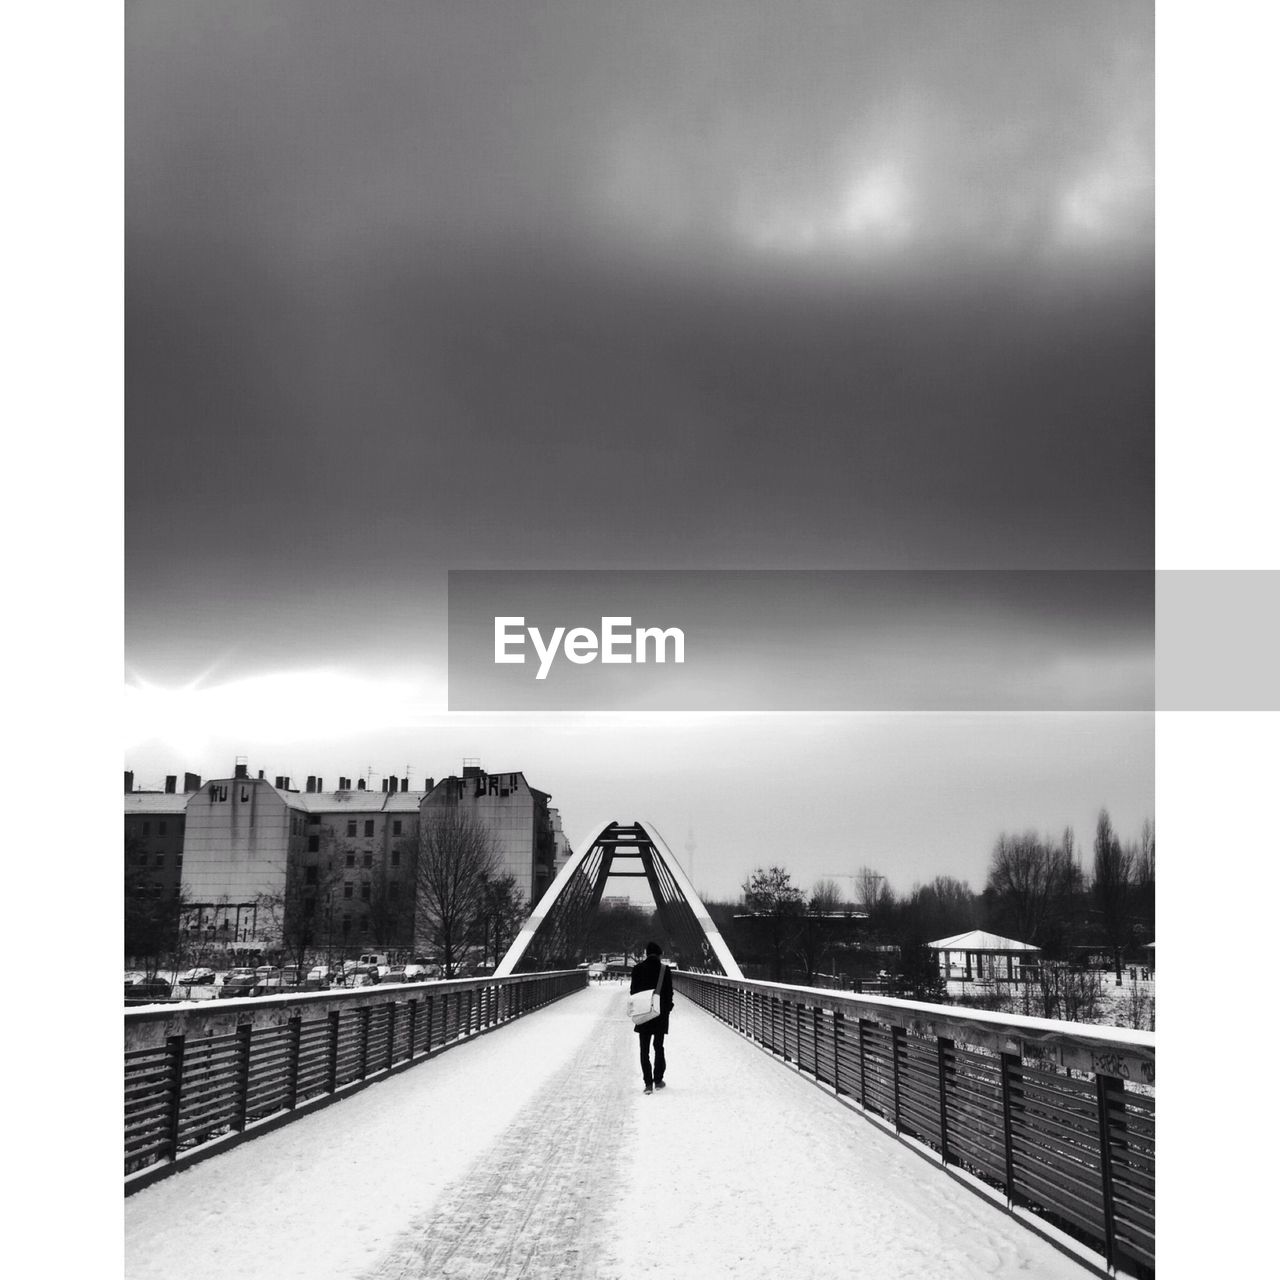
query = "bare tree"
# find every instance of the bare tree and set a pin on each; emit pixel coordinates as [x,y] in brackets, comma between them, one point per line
[1031,881]
[502,912]
[1113,876]
[770,895]
[817,931]
[871,889]
[457,857]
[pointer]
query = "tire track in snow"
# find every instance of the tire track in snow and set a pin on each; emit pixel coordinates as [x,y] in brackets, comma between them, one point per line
[534,1205]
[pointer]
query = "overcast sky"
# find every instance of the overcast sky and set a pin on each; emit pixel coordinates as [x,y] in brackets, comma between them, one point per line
[413,287]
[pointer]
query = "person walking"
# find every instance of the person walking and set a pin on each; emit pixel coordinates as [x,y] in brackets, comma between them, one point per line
[649,975]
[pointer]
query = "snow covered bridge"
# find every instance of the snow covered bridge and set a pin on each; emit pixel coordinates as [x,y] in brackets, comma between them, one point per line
[533,1152]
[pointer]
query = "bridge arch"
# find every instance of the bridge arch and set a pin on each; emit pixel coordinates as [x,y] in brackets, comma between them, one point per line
[555,934]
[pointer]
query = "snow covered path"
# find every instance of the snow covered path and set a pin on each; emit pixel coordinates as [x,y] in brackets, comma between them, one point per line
[532,1152]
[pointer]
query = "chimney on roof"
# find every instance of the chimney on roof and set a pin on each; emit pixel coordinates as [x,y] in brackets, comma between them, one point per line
[288,784]
[319,784]
[428,784]
[279,782]
[360,785]
[471,768]
[128,782]
[262,774]
[242,770]
[190,782]
[311,784]
[170,784]
[395,785]
[404,784]
[384,784]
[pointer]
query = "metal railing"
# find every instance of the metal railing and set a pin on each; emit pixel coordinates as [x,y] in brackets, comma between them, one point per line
[200,1078]
[1059,1117]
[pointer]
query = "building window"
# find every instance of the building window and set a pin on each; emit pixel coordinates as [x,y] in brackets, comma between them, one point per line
[395,827]
[313,875]
[159,859]
[351,859]
[395,857]
[162,828]
[366,891]
[393,889]
[348,890]
[313,844]
[351,826]
[368,827]
[146,828]
[177,862]
[368,859]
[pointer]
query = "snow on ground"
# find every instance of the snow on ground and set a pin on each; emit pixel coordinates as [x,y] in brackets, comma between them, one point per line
[532,1151]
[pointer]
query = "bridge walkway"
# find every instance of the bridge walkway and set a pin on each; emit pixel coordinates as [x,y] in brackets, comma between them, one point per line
[533,1152]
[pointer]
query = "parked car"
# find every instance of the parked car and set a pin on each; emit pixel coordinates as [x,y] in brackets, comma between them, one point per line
[319,973]
[245,984]
[189,977]
[147,989]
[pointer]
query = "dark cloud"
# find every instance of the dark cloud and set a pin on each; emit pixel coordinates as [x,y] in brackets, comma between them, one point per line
[418,286]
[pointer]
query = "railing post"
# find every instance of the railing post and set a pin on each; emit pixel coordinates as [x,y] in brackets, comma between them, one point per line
[837,1021]
[471,1009]
[862,1062]
[335,1016]
[413,1026]
[431,1001]
[244,1044]
[293,1056]
[366,1013]
[1010,1097]
[175,1051]
[898,1048]
[391,1033]
[945,1046]
[1110,1089]
[817,1023]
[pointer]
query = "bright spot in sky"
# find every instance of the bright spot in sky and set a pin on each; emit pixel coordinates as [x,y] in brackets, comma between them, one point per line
[869,212]
[875,203]
[324,704]
[1112,199]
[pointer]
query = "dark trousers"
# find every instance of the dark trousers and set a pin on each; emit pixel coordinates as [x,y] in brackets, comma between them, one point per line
[651,1075]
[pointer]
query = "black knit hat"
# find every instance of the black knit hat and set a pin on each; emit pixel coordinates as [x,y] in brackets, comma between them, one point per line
[652,949]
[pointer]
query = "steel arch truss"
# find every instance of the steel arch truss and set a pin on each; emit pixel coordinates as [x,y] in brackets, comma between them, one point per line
[555,935]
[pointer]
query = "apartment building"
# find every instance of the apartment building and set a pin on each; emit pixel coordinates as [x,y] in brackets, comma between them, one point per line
[263,864]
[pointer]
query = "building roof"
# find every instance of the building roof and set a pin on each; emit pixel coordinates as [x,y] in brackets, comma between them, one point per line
[334,802]
[980,940]
[356,801]
[156,801]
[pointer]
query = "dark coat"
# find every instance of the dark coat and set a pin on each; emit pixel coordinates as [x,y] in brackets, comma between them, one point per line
[643,978]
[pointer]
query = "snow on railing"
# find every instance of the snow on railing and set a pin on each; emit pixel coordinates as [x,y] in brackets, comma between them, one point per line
[200,1078]
[1057,1116]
